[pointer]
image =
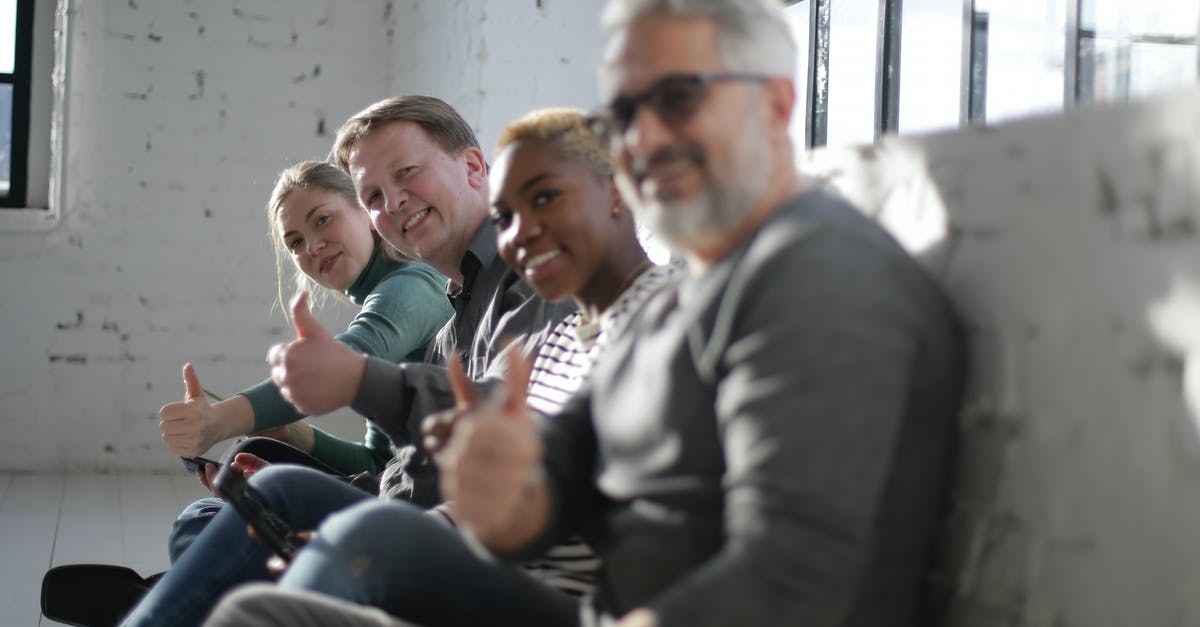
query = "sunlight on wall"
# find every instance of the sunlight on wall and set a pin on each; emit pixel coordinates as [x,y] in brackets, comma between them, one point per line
[1175,321]
[891,177]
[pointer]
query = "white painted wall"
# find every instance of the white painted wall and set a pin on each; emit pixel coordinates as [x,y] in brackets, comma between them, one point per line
[1072,246]
[498,59]
[180,113]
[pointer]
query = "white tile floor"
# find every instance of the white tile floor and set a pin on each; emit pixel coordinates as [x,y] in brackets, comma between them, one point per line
[48,520]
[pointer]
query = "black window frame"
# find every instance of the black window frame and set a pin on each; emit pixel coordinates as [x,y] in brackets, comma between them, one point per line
[21,79]
[976,26]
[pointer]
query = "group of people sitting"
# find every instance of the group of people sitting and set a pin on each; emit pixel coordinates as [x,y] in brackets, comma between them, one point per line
[560,432]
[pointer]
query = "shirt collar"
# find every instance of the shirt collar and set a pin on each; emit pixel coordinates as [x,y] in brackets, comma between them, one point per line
[481,252]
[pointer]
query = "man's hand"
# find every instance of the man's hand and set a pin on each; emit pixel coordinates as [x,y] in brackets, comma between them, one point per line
[490,463]
[190,427]
[314,372]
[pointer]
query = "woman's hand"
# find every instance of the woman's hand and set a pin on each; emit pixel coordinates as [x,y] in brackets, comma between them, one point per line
[640,617]
[437,427]
[314,372]
[490,462]
[208,475]
[189,427]
[248,464]
[276,566]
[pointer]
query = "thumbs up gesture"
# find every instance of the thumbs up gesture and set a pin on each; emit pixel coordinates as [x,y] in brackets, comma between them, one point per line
[314,372]
[189,427]
[437,428]
[490,464]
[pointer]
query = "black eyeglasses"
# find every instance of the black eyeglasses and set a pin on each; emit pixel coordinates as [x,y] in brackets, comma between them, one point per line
[673,98]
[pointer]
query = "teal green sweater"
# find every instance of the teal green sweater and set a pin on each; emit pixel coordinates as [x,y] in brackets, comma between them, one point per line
[403,306]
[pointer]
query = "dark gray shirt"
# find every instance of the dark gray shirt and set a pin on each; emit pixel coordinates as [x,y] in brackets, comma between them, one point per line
[770,443]
[492,307]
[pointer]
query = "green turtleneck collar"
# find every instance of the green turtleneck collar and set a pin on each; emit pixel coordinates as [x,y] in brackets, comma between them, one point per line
[377,268]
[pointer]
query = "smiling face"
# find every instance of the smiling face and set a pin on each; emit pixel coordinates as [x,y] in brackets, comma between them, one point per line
[425,202]
[693,181]
[556,225]
[329,238]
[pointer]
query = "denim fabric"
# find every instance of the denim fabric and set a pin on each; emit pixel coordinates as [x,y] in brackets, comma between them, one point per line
[190,523]
[391,555]
[196,516]
[265,605]
[223,555]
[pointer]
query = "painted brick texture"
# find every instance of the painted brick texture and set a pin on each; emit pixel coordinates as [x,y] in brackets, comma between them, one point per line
[1070,244]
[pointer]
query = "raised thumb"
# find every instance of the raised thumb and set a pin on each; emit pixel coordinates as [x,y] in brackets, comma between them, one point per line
[302,319]
[465,393]
[191,384]
[518,370]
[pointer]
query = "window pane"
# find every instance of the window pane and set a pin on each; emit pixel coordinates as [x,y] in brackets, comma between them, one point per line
[1025,48]
[797,17]
[8,32]
[6,97]
[853,25]
[1129,49]
[931,64]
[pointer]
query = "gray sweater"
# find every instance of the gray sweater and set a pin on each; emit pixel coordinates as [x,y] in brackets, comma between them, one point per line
[770,443]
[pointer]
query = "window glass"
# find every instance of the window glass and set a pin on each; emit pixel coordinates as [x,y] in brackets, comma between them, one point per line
[1025,45]
[853,30]
[1131,49]
[931,41]
[6,96]
[798,19]
[8,32]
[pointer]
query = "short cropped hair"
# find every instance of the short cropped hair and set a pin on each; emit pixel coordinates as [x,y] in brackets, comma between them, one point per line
[438,119]
[752,35]
[570,130]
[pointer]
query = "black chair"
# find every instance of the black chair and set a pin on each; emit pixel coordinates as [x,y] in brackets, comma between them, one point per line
[92,595]
[99,595]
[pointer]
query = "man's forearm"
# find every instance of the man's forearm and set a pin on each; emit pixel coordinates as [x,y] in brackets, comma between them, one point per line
[398,396]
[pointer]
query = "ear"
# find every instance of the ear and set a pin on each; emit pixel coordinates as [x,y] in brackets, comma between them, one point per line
[476,167]
[780,99]
[614,194]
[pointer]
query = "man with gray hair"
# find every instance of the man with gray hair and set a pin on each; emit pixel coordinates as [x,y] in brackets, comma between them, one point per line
[773,446]
[771,443]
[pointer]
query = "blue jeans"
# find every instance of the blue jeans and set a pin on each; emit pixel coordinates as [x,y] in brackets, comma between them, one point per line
[190,524]
[223,555]
[391,555]
[196,516]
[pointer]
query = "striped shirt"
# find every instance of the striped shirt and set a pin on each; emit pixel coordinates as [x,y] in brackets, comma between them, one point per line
[561,366]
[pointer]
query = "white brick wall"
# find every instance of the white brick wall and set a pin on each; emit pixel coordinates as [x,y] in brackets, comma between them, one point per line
[180,115]
[1072,246]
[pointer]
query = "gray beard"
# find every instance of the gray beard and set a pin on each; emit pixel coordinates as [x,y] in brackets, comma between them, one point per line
[708,218]
[698,222]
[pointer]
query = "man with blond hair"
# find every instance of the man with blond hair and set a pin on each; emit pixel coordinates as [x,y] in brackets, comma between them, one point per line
[421,176]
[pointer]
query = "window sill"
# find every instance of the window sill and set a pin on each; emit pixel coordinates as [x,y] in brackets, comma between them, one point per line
[25,220]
